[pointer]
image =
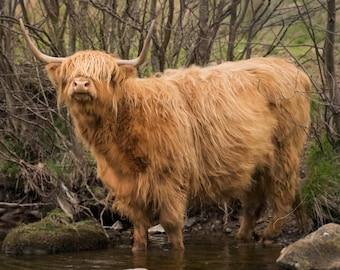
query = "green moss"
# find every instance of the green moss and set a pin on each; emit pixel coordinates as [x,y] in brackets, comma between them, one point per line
[54,234]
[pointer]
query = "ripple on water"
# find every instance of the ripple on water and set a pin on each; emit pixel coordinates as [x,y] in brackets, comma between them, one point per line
[203,251]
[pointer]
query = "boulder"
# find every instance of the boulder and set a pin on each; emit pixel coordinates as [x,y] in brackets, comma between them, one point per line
[318,250]
[55,234]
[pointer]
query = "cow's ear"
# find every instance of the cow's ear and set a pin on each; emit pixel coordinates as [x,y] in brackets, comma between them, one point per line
[53,71]
[125,71]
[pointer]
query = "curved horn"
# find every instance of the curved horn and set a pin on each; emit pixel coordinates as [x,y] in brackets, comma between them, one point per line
[142,56]
[38,54]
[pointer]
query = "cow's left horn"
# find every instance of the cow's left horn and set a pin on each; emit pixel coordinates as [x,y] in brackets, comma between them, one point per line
[142,56]
[38,54]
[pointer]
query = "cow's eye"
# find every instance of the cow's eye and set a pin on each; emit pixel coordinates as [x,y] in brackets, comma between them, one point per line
[113,79]
[63,84]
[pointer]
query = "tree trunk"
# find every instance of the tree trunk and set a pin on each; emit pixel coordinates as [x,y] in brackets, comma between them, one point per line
[83,24]
[330,75]
[73,27]
[166,37]
[207,30]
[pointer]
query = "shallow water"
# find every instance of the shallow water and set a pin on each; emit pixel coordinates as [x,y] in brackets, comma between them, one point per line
[213,252]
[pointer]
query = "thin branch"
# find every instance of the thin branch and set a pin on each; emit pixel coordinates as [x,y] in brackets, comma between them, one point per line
[6,204]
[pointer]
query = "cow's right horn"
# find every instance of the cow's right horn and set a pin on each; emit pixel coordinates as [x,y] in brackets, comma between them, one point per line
[38,54]
[142,56]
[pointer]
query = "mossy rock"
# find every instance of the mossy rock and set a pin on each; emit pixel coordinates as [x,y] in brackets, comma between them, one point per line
[54,234]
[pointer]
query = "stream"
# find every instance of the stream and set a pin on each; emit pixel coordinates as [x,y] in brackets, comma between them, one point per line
[203,251]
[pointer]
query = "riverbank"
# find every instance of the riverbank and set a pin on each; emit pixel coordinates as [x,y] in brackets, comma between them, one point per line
[205,222]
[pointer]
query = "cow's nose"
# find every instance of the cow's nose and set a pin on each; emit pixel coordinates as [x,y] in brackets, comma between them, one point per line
[81,85]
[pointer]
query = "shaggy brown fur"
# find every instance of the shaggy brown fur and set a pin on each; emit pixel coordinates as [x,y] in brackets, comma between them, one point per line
[234,130]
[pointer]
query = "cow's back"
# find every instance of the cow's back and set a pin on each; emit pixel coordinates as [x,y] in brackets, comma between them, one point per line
[239,112]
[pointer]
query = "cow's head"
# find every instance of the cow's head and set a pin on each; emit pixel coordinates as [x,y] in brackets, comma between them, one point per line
[87,75]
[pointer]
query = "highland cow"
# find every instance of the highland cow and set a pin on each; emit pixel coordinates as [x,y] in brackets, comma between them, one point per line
[233,130]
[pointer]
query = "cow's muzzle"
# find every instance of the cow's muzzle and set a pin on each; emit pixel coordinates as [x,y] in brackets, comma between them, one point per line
[81,90]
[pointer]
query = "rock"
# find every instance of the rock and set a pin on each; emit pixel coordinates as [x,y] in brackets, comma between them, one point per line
[318,250]
[35,213]
[117,226]
[156,229]
[189,222]
[54,234]
[216,225]
[228,230]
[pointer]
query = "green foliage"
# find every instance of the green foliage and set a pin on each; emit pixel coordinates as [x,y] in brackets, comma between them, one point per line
[54,165]
[17,149]
[10,169]
[322,190]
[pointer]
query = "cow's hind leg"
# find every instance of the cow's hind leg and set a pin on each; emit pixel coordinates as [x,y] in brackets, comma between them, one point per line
[284,186]
[253,205]
[172,220]
[274,228]
[283,206]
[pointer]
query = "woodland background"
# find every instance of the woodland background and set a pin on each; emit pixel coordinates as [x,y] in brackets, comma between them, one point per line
[42,164]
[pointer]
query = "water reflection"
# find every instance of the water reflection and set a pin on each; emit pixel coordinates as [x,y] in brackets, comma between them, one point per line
[213,252]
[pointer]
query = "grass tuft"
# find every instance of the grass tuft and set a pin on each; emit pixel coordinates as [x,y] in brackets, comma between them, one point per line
[322,190]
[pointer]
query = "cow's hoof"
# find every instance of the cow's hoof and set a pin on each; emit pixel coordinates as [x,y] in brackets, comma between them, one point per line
[244,236]
[267,242]
[138,247]
[178,246]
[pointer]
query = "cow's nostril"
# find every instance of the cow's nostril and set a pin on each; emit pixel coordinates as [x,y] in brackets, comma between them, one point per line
[81,84]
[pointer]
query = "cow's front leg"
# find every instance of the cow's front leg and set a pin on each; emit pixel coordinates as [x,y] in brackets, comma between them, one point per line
[139,220]
[172,220]
[175,236]
[140,237]
[141,223]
